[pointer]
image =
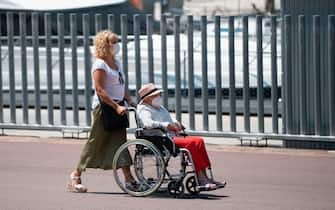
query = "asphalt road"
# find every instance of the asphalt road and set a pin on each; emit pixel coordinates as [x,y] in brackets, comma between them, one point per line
[34,171]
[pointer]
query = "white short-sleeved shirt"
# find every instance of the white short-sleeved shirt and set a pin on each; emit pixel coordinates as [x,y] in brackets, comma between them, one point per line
[113,87]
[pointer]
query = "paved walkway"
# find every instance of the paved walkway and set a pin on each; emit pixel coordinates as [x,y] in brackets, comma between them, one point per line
[34,170]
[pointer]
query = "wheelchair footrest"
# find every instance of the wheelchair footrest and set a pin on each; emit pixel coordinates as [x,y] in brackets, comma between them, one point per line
[203,188]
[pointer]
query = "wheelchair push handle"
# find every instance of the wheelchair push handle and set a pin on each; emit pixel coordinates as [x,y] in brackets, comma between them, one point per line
[131,109]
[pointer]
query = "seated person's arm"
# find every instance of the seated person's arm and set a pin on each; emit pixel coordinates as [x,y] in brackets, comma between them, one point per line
[148,122]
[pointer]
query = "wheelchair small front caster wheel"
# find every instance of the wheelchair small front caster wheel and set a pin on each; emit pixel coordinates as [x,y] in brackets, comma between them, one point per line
[176,188]
[191,186]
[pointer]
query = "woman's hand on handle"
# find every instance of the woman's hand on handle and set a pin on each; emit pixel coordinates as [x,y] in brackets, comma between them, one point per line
[121,110]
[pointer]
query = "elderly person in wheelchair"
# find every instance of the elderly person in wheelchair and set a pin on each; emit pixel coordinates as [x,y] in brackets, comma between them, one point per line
[153,115]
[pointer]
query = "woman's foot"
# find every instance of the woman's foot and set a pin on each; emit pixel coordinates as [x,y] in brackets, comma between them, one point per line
[74,185]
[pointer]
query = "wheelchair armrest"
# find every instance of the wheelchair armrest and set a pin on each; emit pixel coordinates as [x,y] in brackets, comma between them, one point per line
[183,134]
[156,131]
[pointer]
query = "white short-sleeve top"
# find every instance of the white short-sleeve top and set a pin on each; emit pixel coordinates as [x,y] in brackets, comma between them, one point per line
[114,88]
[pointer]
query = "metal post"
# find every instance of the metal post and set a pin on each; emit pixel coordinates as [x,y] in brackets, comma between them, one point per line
[47,26]
[190,71]
[204,89]
[302,73]
[260,98]
[137,32]
[62,105]
[316,68]
[274,82]
[283,81]
[11,67]
[177,66]
[218,84]
[232,93]
[164,60]
[111,22]
[246,90]
[35,29]
[73,32]
[150,48]
[287,52]
[1,90]
[124,33]
[87,67]
[331,72]
[23,34]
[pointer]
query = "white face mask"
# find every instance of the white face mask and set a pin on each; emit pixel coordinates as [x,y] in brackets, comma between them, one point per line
[157,102]
[116,48]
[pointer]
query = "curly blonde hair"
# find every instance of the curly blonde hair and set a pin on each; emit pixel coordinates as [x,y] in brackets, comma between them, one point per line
[102,43]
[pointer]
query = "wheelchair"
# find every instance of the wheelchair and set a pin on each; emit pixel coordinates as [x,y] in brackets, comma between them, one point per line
[151,153]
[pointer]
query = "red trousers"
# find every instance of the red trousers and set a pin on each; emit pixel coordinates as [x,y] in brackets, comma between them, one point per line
[197,148]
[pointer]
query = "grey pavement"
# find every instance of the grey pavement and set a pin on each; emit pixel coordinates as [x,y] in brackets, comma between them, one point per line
[35,169]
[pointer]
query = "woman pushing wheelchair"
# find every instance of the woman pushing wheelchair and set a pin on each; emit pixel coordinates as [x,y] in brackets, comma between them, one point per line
[153,115]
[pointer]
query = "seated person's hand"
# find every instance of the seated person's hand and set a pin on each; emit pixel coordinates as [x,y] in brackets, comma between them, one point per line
[176,127]
[173,127]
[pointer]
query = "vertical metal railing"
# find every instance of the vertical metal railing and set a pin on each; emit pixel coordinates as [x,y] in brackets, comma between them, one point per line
[73,34]
[260,90]
[47,26]
[61,61]
[246,89]
[177,67]
[331,72]
[23,34]
[204,70]
[274,79]
[190,42]
[11,66]
[124,33]
[218,75]
[88,65]
[302,77]
[137,48]
[287,56]
[1,81]
[316,69]
[164,60]
[149,21]
[35,34]
[232,90]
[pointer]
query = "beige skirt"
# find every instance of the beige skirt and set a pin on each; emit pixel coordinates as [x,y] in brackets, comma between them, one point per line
[101,146]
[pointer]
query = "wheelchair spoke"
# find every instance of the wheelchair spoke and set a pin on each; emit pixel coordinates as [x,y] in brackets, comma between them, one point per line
[147,169]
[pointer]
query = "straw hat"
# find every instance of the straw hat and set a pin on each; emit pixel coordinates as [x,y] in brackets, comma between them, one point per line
[148,90]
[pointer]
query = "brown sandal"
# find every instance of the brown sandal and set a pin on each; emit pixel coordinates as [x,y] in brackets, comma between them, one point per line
[77,188]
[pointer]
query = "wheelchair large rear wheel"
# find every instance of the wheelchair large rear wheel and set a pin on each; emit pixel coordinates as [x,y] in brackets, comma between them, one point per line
[148,168]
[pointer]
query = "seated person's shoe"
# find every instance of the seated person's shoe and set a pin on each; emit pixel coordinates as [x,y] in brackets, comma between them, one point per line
[206,186]
[220,184]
